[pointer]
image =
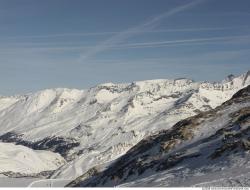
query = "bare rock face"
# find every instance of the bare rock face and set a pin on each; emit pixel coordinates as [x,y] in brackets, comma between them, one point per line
[43,174]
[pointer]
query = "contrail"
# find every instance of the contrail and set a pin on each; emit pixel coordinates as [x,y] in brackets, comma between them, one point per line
[147,25]
[115,32]
[184,41]
[153,44]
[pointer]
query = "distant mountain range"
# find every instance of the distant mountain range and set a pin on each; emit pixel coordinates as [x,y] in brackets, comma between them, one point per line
[146,133]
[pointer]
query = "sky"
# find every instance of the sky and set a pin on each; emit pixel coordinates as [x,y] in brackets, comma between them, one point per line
[82,43]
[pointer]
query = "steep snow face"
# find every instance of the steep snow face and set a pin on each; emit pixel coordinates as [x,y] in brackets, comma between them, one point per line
[23,160]
[7,101]
[211,148]
[36,113]
[217,93]
[97,125]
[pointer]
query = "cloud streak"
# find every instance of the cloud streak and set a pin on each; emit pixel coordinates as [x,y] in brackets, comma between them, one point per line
[147,25]
[87,34]
[157,44]
[180,42]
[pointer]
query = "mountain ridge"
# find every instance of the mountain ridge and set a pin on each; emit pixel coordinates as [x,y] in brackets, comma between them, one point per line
[97,125]
[228,78]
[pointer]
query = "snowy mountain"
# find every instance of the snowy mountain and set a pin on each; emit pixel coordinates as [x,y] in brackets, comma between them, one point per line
[93,127]
[209,149]
[18,160]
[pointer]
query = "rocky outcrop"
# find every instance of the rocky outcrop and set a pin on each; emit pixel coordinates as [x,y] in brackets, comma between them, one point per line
[44,174]
[55,144]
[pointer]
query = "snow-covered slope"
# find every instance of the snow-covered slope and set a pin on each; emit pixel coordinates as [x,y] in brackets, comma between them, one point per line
[211,148]
[95,126]
[25,161]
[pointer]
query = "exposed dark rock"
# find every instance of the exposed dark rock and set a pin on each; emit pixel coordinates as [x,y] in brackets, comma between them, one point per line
[235,135]
[117,89]
[174,159]
[246,77]
[183,99]
[93,102]
[232,140]
[81,130]
[59,145]
[43,174]
[240,95]
[176,95]
[242,115]
[128,105]
[90,173]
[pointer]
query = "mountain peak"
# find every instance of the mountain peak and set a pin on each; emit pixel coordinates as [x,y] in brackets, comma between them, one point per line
[229,78]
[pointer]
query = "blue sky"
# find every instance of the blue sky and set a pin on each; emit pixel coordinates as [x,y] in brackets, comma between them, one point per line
[81,43]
